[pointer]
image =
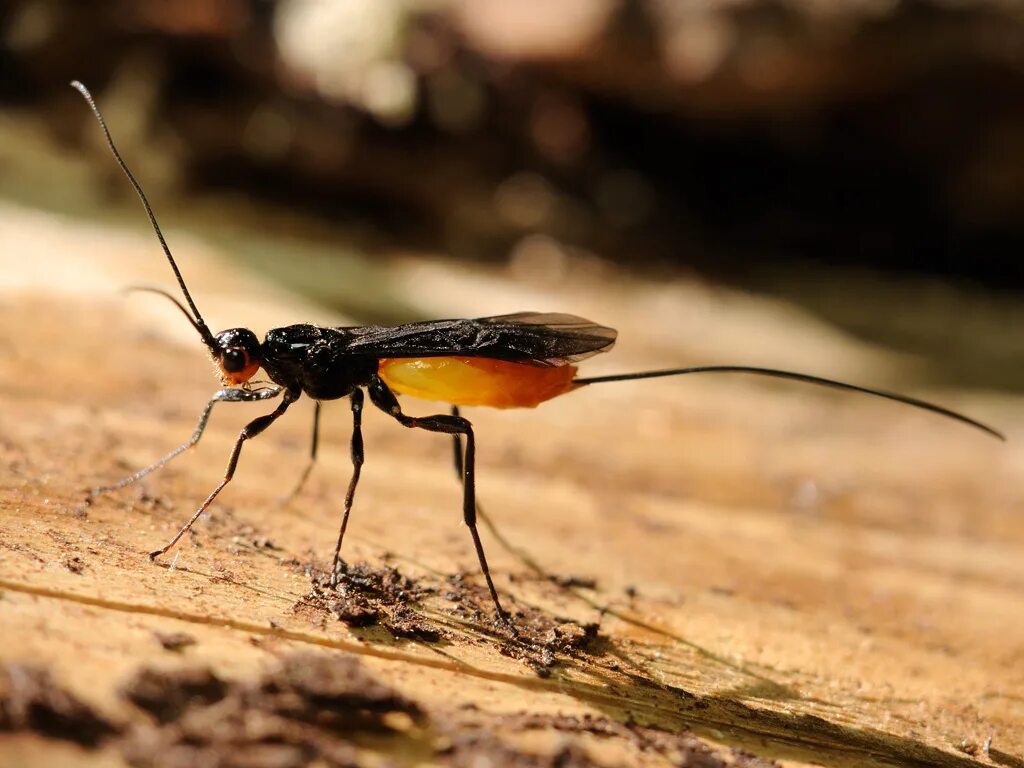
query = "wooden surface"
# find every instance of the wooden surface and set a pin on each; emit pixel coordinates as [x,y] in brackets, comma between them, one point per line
[808,577]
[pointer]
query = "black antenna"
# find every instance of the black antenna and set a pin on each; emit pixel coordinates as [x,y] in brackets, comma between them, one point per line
[807,379]
[169,297]
[197,320]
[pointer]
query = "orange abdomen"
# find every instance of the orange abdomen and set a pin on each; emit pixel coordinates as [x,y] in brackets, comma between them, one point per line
[476,380]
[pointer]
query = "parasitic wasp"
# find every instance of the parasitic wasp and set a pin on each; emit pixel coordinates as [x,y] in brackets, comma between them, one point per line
[508,361]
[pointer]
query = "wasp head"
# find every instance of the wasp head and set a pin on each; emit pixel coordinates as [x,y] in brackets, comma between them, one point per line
[238,355]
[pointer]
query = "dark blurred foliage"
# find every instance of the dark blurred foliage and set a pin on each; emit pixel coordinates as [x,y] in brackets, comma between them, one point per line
[726,136]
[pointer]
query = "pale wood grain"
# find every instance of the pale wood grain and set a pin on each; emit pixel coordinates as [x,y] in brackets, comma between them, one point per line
[819,578]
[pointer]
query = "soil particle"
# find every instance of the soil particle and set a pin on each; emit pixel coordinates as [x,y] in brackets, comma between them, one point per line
[335,683]
[174,641]
[475,745]
[31,701]
[568,582]
[743,759]
[317,709]
[304,712]
[167,695]
[681,748]
[482,750]
[968,747]
[539,639]
[367,596]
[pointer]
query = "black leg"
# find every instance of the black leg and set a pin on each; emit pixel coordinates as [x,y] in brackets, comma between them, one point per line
[356,399]
[312,456]
[457,445]
[224,395]
[385,399]
[249,431]
[520,554]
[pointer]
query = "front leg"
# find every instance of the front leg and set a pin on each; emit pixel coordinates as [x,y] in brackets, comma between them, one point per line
[385,399]
[250,430]
[223,396]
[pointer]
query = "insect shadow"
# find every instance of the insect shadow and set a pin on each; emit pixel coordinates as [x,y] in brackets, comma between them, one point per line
[507,361]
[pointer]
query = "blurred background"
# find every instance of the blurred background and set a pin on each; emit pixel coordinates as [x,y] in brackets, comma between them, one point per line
[859,163]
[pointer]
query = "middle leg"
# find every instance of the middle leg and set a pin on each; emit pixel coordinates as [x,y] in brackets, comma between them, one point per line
[312,457]
[356,399]
[385,399]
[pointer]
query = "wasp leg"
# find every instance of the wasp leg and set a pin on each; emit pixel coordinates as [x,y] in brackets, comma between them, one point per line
[457,445]
[356,399]
[481,515]
[312,457]
[224,395]
[249,431]
[385,399]
[517,552]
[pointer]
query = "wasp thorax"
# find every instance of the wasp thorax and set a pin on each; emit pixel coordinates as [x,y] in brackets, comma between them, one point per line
[237,355]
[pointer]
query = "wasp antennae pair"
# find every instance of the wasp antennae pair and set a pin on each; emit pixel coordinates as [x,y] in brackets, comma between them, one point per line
[505,361]
[195,317]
